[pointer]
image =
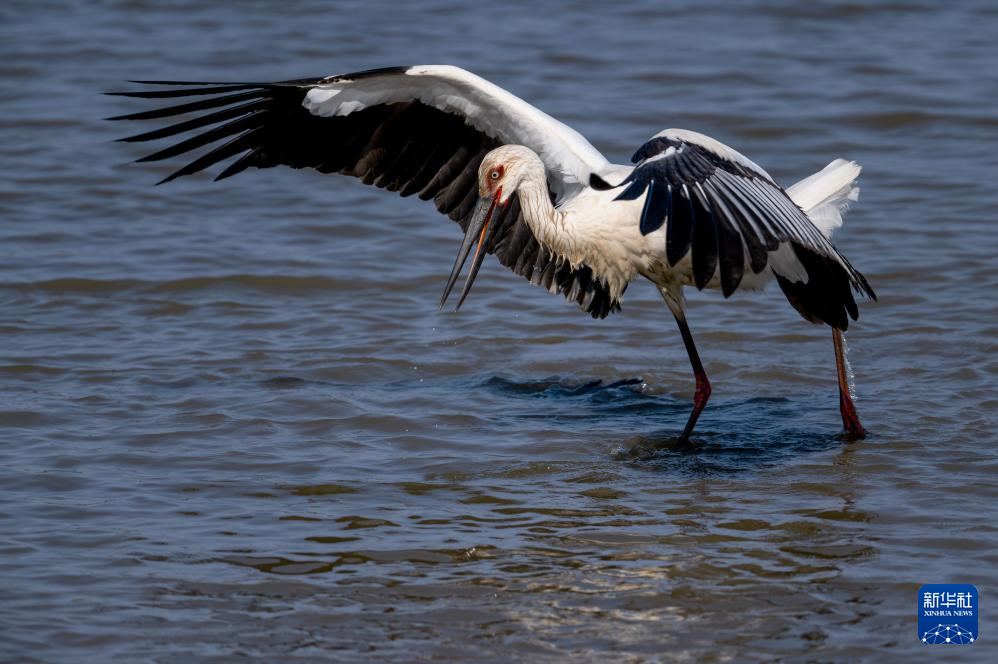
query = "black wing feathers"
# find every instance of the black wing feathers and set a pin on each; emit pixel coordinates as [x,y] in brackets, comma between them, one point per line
[407,147]
[679,232]
[827,295]
[725,214]
[656,208]
[190,107]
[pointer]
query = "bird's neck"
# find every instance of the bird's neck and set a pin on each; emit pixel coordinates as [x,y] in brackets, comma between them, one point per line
[547,223]
[582,237]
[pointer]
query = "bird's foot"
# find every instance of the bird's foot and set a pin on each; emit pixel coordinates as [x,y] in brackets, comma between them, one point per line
[850,420]
[684,445]
[651,447]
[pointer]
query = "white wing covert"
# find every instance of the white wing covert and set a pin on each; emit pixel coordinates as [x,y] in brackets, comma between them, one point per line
[415,130]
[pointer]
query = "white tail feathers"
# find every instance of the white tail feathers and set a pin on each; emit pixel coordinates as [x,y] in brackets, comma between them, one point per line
[825,196]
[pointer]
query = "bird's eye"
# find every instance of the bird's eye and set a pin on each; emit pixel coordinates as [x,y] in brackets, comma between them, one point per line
[494,175]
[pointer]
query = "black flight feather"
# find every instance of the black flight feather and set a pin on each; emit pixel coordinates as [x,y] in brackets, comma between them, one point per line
[406,146]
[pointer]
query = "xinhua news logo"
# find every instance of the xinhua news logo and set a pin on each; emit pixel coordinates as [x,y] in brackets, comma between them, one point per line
[947,613]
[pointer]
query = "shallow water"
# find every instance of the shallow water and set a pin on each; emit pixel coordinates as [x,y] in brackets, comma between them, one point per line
[234,422]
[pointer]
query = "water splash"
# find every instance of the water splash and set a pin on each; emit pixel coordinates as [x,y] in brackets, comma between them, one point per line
[850,374]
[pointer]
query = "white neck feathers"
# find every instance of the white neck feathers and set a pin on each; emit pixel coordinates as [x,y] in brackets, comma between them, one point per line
[578,233]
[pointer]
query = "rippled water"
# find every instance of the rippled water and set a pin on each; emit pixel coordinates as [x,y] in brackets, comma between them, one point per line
[234,422]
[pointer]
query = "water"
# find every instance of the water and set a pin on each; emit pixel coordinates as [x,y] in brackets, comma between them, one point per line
[233,422]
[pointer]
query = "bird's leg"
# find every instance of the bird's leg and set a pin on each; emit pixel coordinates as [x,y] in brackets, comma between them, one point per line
[703,385]
[850,420]
[674,299]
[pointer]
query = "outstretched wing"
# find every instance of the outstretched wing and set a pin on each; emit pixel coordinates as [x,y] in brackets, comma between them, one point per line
[414,130]
[729,215]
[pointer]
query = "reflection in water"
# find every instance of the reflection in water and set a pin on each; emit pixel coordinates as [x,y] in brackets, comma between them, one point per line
[729,452]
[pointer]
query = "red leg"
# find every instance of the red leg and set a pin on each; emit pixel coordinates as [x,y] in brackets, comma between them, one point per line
[850,420]
[703,385]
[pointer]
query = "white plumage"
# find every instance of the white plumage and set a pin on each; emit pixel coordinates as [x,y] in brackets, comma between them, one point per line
[826,195]
[536,194]
[487,107]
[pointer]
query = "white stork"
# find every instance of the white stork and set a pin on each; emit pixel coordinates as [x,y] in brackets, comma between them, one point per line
[534,192]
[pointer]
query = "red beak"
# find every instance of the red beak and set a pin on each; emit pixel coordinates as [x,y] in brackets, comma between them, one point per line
[480,231]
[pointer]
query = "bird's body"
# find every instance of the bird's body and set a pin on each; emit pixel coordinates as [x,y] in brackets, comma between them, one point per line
[534,192]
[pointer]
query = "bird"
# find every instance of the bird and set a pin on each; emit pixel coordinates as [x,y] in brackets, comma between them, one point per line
[687,212]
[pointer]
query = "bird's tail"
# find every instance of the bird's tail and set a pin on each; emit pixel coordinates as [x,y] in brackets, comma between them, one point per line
[825,196]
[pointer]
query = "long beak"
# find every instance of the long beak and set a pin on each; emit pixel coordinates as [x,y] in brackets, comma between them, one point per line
[480,231]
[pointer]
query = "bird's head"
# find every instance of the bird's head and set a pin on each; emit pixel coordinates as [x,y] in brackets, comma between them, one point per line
[504,169]
[501,172]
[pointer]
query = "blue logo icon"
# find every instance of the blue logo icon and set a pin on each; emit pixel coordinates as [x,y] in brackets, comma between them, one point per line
[947,613]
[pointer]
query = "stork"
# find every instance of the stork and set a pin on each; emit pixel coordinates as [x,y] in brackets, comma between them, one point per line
[533,192]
